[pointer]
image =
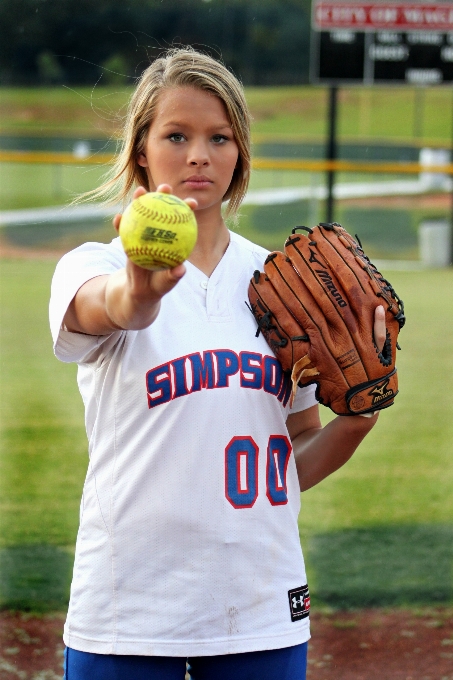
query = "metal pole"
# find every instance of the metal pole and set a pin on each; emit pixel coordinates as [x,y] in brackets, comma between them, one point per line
[331,151]
[419,105]
[451,177]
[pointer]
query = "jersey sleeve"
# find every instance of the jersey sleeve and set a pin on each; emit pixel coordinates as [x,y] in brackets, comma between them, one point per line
[73,270]
[305,398]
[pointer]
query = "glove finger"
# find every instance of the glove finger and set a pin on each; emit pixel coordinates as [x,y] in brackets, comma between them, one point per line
[283,333]
[342,295]
[331,292]
[339,262]
[373,282]
[335,316]
[326,352]
[366,289]
[360,279]
[351,252]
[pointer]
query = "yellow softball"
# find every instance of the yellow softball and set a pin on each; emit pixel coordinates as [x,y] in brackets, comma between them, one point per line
[158,231]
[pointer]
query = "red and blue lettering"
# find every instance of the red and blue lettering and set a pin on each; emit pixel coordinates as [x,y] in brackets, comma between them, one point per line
[241,472]
[278,453]
[285,390]
[216,369]
[180,384]
[158,385]
[251,364]
[202,371]
[273,375]
[227,366]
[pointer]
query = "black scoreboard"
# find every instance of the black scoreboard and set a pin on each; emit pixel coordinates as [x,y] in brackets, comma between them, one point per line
[382,42]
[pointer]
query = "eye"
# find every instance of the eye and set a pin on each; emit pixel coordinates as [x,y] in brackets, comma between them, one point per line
[176,137]
[219,139]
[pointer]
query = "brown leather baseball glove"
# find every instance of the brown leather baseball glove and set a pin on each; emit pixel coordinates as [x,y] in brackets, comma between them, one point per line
[315,305]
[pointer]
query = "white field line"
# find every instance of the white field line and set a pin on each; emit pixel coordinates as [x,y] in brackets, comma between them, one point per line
[57,214]
[352,190]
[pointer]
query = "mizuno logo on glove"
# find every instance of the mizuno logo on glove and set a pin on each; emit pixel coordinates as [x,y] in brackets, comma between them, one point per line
[327,280]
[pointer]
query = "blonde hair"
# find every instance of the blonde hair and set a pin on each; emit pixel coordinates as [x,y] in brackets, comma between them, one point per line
[178,67]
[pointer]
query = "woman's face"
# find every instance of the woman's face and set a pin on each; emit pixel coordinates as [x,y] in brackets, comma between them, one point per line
[191,146]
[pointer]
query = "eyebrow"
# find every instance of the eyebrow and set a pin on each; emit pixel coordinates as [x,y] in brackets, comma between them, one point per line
[175,123]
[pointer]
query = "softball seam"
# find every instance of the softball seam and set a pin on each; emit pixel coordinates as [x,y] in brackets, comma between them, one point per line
[155,254]
[174,218]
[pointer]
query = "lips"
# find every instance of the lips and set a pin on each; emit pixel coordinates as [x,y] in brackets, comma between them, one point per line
[198,181]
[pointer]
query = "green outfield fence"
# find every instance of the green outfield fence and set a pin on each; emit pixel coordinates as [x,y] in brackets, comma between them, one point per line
[283,192]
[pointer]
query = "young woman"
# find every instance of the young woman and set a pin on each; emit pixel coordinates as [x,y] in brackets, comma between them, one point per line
[188,548]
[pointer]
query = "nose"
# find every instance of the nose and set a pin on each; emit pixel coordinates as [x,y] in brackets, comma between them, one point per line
[198,155]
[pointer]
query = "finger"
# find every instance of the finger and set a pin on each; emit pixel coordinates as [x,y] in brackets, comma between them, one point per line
[116,221]
[140,191]
[168,189]
[192,203]
[164,281]
[379,329]
[151,281]
[164,188]
[177,272]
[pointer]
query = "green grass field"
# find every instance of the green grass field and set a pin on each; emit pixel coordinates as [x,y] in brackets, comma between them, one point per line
[25,185]
[380,531]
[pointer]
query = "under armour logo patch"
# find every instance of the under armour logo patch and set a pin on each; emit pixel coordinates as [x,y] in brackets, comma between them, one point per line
[299,603]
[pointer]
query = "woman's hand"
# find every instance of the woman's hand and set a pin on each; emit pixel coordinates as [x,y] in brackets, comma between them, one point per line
[132,297]
[144,284]
[129,299]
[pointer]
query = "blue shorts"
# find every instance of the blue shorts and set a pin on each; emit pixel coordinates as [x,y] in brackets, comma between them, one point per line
[289,663]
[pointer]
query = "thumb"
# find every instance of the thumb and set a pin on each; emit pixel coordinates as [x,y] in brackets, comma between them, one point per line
[379,327]
[164,281]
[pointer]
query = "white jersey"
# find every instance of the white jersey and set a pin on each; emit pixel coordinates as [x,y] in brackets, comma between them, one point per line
[188,542]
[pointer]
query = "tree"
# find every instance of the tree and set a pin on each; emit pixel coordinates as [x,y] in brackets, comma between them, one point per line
[263,41]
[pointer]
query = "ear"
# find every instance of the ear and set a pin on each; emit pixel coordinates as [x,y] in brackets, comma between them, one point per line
[141,160]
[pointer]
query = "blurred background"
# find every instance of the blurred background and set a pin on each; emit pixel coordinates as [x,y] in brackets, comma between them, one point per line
[380,531]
